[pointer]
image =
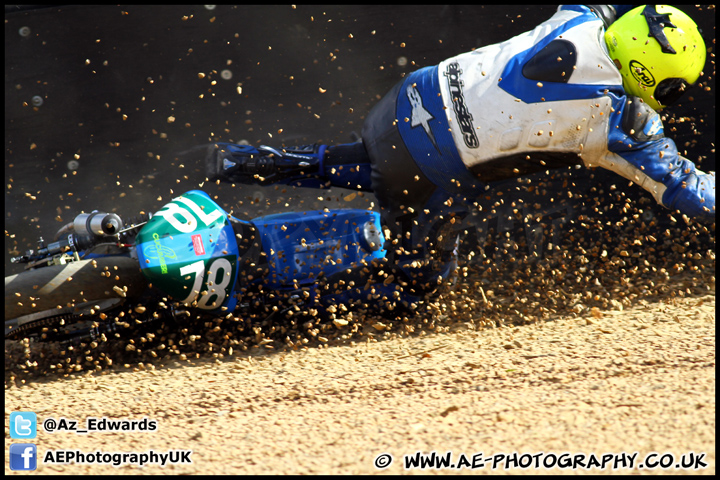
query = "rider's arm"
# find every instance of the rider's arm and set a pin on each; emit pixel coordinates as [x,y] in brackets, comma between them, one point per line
[638,150]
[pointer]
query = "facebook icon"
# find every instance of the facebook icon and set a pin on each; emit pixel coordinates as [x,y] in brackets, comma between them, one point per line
[23,456]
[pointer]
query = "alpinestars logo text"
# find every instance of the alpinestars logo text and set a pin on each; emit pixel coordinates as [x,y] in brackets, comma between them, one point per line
[464,117]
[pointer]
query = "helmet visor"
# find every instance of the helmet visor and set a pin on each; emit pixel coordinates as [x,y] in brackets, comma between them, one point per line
[669,90]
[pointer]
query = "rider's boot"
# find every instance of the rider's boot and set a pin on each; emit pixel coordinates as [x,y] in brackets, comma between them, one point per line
[263,165]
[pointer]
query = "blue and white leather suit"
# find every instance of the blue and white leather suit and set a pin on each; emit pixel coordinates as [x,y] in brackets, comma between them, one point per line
[548,98]
[506,109]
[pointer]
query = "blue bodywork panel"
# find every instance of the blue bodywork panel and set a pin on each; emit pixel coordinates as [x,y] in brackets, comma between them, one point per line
[299,246]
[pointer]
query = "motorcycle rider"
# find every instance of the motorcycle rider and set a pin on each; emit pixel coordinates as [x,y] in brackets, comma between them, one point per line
[582,88]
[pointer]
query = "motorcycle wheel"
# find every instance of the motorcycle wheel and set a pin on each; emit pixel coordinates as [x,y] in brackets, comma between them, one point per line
[53,302]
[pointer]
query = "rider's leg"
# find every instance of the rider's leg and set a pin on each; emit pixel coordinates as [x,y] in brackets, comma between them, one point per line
[424,220]
[397,181]
[348,166]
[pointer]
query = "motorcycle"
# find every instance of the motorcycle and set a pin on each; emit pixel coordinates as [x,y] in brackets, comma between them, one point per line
[101,277]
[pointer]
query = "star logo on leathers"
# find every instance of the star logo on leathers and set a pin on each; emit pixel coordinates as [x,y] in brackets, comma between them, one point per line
[419,116]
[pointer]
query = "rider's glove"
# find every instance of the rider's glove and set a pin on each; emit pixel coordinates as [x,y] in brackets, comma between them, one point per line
[639,151]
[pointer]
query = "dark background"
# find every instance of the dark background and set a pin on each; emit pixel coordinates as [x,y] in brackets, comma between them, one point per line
[89,91]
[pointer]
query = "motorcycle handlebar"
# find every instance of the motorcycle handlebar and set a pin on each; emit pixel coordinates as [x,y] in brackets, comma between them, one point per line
[87,228]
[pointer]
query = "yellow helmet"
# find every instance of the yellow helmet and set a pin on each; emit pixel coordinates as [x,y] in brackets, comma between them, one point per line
[659,52]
